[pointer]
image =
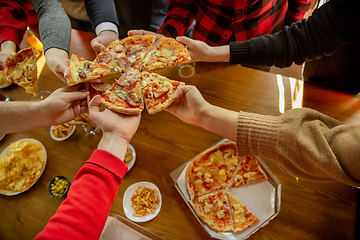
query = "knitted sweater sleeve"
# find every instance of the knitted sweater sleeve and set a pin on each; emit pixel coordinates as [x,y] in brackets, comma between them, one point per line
[303,143]
[82,215]
[54,24]
[333,24]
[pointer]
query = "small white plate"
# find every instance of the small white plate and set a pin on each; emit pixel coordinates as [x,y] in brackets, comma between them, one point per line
[130,164]
[64,138]
[127,202]
[7,150]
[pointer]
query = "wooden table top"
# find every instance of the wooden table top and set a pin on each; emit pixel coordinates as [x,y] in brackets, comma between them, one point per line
[163,143]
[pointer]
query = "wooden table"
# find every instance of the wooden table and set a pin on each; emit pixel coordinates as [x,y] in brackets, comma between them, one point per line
[163,143]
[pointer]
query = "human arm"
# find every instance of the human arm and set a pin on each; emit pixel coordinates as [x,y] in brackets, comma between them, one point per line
[335,23]
[302,142]
[8,48]
[61,106]
[55,33]
[102,15]
[179,17]
[296,10]
[13,21]
[83,214]
[306,40]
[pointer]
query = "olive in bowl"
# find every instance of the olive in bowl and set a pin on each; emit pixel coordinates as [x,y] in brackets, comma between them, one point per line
[58,187]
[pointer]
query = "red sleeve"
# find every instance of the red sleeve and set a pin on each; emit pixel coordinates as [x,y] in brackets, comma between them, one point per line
[297,10]
[13,20]
[180,15]
[82,215]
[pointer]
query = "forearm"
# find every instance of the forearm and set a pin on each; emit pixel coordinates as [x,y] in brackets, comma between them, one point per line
[303,143]
[54,24]
[217,54]
[113,144]
[306,40]
[101,11]
[219,121]
[21,116]
[13,20]
[178,18]
[82,215]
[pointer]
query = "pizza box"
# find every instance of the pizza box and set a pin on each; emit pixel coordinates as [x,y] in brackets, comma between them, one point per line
[263,199]
[118,227]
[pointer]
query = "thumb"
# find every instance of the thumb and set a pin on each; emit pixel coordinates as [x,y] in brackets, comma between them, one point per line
[184,40]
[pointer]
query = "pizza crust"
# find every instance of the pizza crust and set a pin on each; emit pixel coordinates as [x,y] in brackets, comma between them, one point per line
[210,162]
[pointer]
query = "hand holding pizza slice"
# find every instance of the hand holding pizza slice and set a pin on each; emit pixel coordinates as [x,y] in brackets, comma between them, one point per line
[22,70]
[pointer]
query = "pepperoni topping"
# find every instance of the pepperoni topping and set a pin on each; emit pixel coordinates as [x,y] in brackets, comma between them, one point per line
[106,58]
[124,63]
[82,75]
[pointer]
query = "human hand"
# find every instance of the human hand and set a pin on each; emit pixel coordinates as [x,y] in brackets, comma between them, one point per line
[58,62]
[64,105]
[8,48]
[144,32]
[201,52]
[118,129]
[189,105]
[103,40]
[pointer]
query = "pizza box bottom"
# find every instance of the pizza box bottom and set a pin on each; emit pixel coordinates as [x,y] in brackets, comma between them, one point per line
[263,199]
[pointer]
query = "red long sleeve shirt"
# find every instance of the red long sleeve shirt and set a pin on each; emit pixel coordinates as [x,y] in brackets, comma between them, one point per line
[82,215]
[14,19]
[219,21]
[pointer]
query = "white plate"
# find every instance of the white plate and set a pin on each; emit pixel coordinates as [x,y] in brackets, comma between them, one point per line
[130,164]
[127,202]
[64,138]
[7,150]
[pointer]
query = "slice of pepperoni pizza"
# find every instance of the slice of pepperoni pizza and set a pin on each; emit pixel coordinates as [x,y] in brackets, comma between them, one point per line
[136,47]
[248,172]
[125,96]
[242,217]
[213,209]
[83,70]
[158,91]
[114,57]
[95,88]
[22,70]
[169,53]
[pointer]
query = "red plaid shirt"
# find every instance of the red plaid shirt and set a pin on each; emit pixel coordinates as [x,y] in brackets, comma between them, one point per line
[221,21]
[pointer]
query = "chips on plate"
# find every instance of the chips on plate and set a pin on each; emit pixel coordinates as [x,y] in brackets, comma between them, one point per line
[21,165]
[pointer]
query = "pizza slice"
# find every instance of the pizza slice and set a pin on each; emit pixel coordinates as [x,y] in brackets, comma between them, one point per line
[158,91]
[213,209]
[114,57]
[169,53]
[136,47]
[95,88]
[231,160]
[213,161]
[200,181]
[22,70]
[248,172]
[125,96]
[242,217]
[83,70]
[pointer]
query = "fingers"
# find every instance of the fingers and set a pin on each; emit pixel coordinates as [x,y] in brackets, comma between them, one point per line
[184,40]
[95,103]
[97,46]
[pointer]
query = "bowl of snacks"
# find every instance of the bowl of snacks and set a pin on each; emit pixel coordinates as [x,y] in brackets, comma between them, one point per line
[62,132]
[130,156]
[58,187]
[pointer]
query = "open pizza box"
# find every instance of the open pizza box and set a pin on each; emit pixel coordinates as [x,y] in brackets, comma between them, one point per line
[118,227]
[263,199]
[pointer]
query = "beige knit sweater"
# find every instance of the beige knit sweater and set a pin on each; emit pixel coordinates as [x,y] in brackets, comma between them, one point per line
[303,143]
